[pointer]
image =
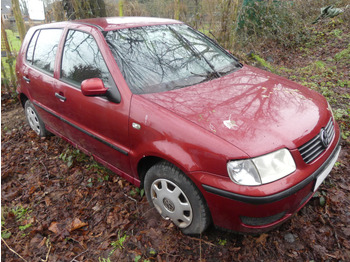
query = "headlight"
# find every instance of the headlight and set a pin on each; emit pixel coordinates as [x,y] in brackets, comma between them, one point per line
[263,169]
[243,172]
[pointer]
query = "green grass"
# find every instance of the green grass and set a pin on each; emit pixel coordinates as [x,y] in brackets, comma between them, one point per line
[21,215]
[263,62]
[343,56]
[15,43]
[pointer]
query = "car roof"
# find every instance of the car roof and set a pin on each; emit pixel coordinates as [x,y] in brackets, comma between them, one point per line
[115,23]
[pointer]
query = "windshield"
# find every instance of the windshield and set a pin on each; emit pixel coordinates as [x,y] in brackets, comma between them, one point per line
[161,58]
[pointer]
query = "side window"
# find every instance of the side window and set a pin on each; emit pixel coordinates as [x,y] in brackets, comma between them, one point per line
[30,50]
[45,49]
[82,60]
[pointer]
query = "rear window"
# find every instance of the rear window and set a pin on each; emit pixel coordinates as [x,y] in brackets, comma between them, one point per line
[42,49]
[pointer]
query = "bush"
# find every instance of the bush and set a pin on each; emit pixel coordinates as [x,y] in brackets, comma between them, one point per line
[276,21]
[286,22]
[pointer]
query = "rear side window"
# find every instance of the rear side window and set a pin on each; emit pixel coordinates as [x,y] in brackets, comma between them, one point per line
[30,50]
[82,60]
[46,48]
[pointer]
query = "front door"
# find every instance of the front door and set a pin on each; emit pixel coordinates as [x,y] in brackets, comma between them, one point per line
[96,124]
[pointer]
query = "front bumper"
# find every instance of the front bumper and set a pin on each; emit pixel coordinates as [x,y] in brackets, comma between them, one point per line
[261,213]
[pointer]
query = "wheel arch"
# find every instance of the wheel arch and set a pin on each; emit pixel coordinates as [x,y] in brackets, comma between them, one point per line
[23,98]
[145,164]
[165,151]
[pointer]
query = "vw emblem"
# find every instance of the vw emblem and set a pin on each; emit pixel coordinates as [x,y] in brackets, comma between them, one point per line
[325,140]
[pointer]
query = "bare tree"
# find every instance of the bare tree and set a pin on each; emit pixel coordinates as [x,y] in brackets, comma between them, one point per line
[19,19]
[121,7]
[10,57]
[78,9]
[24,7]
[59,11]
[229,12]
[177,9]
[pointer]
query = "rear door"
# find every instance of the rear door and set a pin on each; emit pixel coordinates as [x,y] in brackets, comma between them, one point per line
[96,124]
[38,74]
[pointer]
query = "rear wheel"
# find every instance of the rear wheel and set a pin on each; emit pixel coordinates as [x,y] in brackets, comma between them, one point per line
[175,197]
[34,119]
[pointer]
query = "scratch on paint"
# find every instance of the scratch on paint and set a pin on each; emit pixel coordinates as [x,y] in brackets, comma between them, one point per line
[212,128]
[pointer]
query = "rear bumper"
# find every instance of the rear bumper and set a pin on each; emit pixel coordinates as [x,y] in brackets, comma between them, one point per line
[258,214]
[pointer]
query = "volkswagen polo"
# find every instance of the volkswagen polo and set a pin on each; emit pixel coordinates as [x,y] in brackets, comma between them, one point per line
[168,109]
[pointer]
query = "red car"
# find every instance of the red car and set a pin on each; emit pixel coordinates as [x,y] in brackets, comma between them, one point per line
[168,109]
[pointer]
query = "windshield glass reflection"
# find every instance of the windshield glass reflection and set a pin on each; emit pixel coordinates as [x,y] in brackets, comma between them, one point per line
[161,58]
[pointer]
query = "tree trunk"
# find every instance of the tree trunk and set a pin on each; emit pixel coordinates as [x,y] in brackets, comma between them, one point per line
[87,9]
[59,13]
[4,80]
[101,8]
[197,21]
[229,17]
[19,19]
[225,20]
[121,7]
[177,9]
[10,57]
[77,14]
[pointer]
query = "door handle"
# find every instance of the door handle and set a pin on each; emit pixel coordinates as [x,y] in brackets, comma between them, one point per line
[60,97]
[26,79]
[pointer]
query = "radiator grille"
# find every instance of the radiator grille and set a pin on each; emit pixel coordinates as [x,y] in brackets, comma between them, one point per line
[317,145]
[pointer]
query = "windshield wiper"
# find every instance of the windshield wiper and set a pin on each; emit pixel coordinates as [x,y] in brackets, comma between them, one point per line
[229,71]
[208,75]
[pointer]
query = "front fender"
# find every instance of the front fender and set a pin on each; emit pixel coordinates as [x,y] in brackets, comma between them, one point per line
[165,135]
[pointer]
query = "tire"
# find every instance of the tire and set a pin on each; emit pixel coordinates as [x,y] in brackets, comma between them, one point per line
[34,120]
[176,197]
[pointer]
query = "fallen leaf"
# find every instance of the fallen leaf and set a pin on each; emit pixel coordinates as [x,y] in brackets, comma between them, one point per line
[42,243]
[76,224]
[47,201]
[32,190]
[346,231]
[262,239]
[54,227]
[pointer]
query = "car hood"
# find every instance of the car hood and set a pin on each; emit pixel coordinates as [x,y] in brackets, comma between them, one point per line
[252,109]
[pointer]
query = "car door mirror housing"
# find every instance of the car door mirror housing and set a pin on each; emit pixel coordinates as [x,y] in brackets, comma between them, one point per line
[93,87]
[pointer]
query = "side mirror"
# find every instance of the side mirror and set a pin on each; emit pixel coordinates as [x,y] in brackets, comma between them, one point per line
[93,87]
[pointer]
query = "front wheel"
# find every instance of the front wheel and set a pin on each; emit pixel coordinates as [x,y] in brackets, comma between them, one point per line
[34,119]
[175,197]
